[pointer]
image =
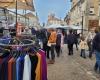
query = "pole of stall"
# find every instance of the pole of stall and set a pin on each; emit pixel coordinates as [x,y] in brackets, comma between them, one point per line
[16,17]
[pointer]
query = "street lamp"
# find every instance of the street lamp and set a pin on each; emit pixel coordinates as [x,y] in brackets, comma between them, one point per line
[82,15]
[99,13]
[17,8]
[16,2]
[82,22]
[24,1]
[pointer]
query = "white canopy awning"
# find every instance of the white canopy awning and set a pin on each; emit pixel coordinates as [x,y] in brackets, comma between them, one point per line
[53,26]
[57,26]
[75,27]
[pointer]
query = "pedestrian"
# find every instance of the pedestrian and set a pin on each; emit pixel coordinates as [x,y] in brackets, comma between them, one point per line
[76,39]
[52,43]
[33,31]
[70,42]
[48,47]
[65,38]
[96,49]
[62,41]
[44,38]
[83,47]
[58,42]
[89,39]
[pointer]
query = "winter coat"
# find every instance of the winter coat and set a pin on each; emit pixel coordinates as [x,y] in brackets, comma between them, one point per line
[96,42]
[83,45]
[58,40]
[53,37]
[70,39]
[76,38]
[65,39]
[44,36]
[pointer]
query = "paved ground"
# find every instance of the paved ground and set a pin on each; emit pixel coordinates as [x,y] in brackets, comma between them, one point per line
[72,68]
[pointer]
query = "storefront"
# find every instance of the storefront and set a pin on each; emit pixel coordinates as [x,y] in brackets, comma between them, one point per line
[93,24]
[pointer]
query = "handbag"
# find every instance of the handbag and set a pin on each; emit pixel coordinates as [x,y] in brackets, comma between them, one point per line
[49,44]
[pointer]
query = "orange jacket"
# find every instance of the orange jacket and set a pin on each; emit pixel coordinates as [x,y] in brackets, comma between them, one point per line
[53,37]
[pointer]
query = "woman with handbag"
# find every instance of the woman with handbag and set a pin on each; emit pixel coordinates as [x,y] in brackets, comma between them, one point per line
[51,44]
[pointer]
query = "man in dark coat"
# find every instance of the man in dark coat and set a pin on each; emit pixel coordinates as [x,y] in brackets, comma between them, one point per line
[76,39]
[70,42]
[96,49]
[44,37]
[58,43]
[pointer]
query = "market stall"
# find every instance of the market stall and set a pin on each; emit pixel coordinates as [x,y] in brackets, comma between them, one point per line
[17,5]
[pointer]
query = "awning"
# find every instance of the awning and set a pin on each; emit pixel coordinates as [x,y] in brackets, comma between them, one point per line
[58,26]
[30,15]
[53,26]
[76,27]
[6,1]
[21,4]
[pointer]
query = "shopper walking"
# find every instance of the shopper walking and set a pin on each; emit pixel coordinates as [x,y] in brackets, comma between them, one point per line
[52,43]
[96,49]
[48,48]
[62,41]
[58,42]
[90,38]
[76,39]
[70,42]
[83,47]
[44,37]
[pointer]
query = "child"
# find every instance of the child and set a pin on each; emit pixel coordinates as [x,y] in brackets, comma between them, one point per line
[83,46]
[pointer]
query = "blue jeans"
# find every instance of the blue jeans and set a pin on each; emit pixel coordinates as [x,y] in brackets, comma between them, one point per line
[97,64]
[83,53]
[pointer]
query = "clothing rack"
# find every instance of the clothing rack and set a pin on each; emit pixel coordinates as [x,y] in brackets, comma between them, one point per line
[19,45]
[23,66]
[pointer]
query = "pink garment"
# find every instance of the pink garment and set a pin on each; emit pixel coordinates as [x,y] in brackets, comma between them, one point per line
[62,40]
[43,65]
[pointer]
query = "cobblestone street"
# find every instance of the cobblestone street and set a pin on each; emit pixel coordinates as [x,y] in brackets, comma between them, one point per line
[72,68]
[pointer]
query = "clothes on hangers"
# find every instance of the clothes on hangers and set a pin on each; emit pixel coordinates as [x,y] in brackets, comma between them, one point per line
[34,61]
[23,67]
[27,68]
[44,64]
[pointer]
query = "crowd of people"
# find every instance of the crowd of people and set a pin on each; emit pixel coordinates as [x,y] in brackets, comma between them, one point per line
[53,41]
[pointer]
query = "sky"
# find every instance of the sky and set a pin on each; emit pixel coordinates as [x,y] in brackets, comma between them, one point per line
[58,7]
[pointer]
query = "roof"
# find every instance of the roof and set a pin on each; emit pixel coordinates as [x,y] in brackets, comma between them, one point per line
[11,4]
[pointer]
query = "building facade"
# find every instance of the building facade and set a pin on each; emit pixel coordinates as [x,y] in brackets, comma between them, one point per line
[54,20]
[33,20]
[84,13]
[67,19]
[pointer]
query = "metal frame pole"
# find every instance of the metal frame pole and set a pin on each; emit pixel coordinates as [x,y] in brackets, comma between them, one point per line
[82,22]
[25,18]
[28,21]
[16,16]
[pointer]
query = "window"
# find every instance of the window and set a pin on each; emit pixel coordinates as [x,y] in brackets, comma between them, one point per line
[91,10]
[99,10]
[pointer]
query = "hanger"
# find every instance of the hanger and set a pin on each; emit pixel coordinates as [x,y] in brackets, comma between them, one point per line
[32,51]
